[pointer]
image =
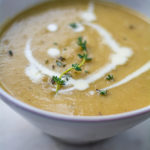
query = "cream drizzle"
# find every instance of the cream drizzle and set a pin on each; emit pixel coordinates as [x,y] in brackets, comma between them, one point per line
[119,56]
[131,76]
[35,64]
[91,92]
[89,14]
[53,52]
[52,27]
[34,74]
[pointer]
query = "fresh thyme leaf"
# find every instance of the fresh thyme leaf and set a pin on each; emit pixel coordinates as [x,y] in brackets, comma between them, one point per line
[10,53]
[109,77]
[131,27]
[55,43]
[52,81]
[62,58]
[76,67]
[67,79]
[85,56]
[58,80]
[65,49]
[102,92]
[73,25]
[46,61]
[53,67]
[82,43]
[60,64]
[80,56]
[86,71]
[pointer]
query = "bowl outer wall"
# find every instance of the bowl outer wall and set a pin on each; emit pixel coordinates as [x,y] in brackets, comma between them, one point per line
[78,131]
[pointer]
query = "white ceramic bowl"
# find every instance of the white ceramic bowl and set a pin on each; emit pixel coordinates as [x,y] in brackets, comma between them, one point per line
[73,129]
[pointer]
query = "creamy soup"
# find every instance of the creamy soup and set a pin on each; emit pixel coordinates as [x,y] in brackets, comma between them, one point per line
[83,58]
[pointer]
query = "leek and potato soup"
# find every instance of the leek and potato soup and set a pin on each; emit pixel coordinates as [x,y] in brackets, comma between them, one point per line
[85,58]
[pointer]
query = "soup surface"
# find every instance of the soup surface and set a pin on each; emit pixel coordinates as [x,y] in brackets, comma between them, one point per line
[77,58]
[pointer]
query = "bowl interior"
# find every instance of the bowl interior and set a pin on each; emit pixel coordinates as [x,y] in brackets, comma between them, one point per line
[9,8]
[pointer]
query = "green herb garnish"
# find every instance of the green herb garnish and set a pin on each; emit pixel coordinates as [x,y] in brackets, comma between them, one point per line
[62,58]
[102,92]
[10,53]
[46,61]
[109,77]
[85,56]
[57,80]
[76,66]
[73,25]
[86,71]
[65,49]
[60,64]
[82,43]
[53,67]
[131,27]
[55,43]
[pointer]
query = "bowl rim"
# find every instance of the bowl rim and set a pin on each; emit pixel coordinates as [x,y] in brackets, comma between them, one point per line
[71,118]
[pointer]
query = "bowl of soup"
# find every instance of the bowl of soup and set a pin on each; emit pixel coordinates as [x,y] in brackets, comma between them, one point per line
[77,70]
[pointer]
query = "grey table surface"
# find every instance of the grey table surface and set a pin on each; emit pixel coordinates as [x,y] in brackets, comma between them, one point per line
[17,134]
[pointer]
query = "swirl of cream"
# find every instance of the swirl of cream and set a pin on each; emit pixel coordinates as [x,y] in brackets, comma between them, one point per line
[120,55]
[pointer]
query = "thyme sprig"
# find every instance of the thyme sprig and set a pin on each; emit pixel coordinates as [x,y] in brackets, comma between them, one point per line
[73,25]
[102,92]
[57,80]
[83,45]
[109,77]
[10,53]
